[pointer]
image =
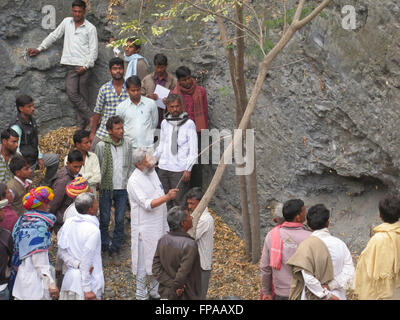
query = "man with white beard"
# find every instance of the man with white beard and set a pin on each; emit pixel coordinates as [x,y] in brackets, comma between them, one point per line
[148,219]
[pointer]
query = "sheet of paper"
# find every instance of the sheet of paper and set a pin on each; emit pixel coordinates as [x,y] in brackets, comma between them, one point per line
[162,93]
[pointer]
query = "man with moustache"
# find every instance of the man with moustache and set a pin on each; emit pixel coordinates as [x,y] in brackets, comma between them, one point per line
[140,115]
[177,150]
[28,145]
[8,148]
[115,158]
[111,94]
[80,52]
[194,100]
[148,219]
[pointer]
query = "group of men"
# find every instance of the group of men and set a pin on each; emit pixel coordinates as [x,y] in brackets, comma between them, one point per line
[113,164]
[305,262]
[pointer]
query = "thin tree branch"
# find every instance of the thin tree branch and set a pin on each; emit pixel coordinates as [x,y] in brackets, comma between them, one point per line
[312,15]
[259,26]
[299,9]
[236,23]
[284,17]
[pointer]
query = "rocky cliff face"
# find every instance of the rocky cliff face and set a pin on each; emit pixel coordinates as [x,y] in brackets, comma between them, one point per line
[325,124]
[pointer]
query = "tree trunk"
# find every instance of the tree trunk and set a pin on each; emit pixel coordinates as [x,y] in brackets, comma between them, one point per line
[252,179]
[239,113]
[263,70]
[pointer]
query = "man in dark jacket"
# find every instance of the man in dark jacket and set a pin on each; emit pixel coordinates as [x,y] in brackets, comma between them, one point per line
[28,144]
[176,263]
[63,177]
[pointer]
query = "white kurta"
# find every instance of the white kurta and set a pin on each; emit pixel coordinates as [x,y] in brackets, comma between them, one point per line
[147,223]
[80,238]
[343,268]
[34,277]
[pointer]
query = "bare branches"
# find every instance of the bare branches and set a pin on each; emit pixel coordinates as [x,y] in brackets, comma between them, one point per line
[299,9]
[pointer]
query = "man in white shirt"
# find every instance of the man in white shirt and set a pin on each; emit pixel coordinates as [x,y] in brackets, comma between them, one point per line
[79,247]
[340,260]
[148,219]
[204,237]
[79,55]
[91,168]
[140,115]
[177,150]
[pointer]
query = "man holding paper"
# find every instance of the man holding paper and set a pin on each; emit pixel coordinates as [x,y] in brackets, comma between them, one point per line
[157,84]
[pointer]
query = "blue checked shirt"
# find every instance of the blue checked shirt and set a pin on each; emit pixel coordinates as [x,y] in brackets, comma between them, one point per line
[106,105]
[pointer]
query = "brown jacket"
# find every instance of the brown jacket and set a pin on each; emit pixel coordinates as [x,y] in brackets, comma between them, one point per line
[19,191]
[61,201]
[148,85]
[176,265]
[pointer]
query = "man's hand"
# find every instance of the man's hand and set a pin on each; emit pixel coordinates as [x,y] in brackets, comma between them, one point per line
[333,297]
[33,52]
[81,70]
[186,176]
[267,297]
[41,164]
[54,293]
[90,295]
[153,96]
[172,193]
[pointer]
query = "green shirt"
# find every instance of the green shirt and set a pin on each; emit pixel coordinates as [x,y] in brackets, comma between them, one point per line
[5,173]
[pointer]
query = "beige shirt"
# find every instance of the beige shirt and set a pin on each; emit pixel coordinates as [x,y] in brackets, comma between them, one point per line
[205,239]
[90,169]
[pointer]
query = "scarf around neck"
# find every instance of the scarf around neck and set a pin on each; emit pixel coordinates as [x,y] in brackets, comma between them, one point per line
[176,122]
[131,70]
[198,105]
[108,167]
[277,243]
